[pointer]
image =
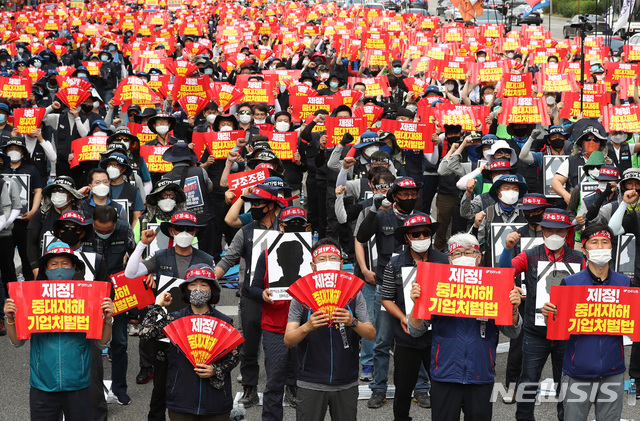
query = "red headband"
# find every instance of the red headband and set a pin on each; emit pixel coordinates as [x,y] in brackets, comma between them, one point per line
[454,246]
[325,249]
[602,233]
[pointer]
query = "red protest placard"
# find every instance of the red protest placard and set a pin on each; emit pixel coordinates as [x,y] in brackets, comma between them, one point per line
[304,106]
[524,110]
[375,85]
[219,143]
[87,149]
[326,290]
[462,291]
[591,107]
[486,72]
[152,155]
[134,90]
[622,118]
[371,113]
[198,86]
[26,120]
[65,70]
[34,73]
[226,95]
[59,306]
[93,67]
[142,131]
[562,82]
[457,115]
[283,144]
[616,71]
[241,180]
[515,84]
[130,293]
[451,69]
[301,89]
[76,82]
[283,76]
[256,91]
[409,135]
[15,87]
[594,310]
[192,104]
[631,52]
[348,97]
[203,339]
[338,127]
[416,85]
[182,68]
[72,97]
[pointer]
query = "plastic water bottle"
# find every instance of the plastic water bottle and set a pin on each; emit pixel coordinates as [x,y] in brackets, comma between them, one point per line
[538,396]
[315,237]
[238,413]
[631,399]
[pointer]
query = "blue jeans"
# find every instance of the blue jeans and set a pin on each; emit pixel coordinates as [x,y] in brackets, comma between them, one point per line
[382,344]
[119,357]
[366,349]
[535,350]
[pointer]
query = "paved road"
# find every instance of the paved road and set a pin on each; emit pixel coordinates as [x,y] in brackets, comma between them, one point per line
[14,387]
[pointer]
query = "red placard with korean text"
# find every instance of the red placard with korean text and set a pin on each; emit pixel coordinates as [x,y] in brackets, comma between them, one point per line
[15,87]
[241,180]
[226,95]
[591,107]
[631,52]
[152,155]
[485,72]
[371,113]
[73,96]
[515,84]
[135,90]
[87,149]
[192,104]
[284,144]
[594,310]
[463,291]
[305,106]
[130,293]
[616,71]
[562,82]
[142,131]
[337,127]
[524,110]
[409,135]
[256,91]
[198,86]
[219,143]
[59,306]
[376,86]
[26,120]
[622,118]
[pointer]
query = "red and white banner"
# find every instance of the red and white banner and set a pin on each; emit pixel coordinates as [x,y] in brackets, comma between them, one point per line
[409,135]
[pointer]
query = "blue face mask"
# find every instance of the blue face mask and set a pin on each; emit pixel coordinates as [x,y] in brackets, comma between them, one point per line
[104,236]
[112,48]
[386,148]
[521,142]
[333,85]
[397,70]
[104,58]
[3,118]
[60,274]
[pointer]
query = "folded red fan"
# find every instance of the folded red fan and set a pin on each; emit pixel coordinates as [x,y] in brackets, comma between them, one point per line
[203,339]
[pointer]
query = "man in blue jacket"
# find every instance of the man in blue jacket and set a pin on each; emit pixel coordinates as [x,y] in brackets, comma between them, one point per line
[595,363]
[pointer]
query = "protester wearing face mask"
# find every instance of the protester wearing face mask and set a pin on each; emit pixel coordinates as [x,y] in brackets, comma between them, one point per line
[581,202]
[334,84]
[5,128]
[162,124]
[380,222]
[555,143]
[411,355]
[117,167]
[589,136]
[99,184]
[477,197]
[129,145]
[460,381]
[57,197]
[596,362]
[322,347]
[65,385]
[279,360]
[557,247]
[620,151]
[244,114]
[206,390]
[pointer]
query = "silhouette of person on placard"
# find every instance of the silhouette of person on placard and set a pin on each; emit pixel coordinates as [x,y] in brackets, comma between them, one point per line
[290,259]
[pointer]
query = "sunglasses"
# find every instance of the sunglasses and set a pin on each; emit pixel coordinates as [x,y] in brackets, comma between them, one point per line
[67,227]
[179,228]
[418,234]
[245,113]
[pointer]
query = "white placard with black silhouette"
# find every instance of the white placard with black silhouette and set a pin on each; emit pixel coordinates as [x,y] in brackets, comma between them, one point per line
[288,259]
[125,209]
[550,273]
[499,232]
[23,182]
[626,255]
[47,239]
[171,285]
[550,165]
[89,260]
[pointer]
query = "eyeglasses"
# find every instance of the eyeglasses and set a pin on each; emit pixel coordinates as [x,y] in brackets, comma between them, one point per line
[468,253]
[179,228]
[67,227]
[418,234]
[590,139]
[97,182]
[58,190]
[258,204]
[407,195]
[331,258]
[169,196]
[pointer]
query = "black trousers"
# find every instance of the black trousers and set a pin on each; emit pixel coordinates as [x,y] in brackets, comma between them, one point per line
[99,411]
[252,332]
[448,399]
[406,367]
[158,404]
[514,358]
[429,189]
[6,268]
[19,233]
[634,364]
[47,406]
[317,205]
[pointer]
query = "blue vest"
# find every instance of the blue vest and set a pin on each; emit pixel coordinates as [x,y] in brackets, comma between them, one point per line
[60,362]
[386,243]
[166,262]
[594,356]
[115,247]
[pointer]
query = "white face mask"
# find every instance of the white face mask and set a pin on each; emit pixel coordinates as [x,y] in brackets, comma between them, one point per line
[554,242]
[486,154]
[481,59]
[305,62]
[166,205]
[618,138]
[226,128]
[211,118]
[509,197]
[594,173]
[99,134]
[245,118]
[488,98]
[101,190]
[183,239]
[551,100]
[450,88]
[258,121]
[509,55]
[308,83]
[282,126]
[464,261]
[15,156]
[420,246]
[324,76]
[59,200]
[113,173]
[328,265]
[162,130]
[370,150]
[599,257]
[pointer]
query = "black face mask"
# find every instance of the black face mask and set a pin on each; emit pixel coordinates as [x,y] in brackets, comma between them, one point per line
[258,213]
[520,132]
[453,139]
[406,205]
[70,237]
[534,219]
[86,108]
[557,143]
